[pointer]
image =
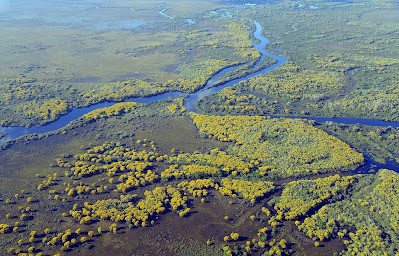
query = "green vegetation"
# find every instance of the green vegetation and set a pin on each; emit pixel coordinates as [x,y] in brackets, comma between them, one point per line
[299,197]
[344,67]
[246,189]
[153,179]
[124,189]
[267,94]
[366,224]
[285,147]
[146,63]
[381,143]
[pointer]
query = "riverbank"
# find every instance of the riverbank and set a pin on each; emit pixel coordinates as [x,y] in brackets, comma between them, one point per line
[190,101]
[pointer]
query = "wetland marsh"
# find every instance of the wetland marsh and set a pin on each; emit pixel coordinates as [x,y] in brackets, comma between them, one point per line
[199,165]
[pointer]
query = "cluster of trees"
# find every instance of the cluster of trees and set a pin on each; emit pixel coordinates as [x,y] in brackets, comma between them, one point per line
[311,229]
[292,82]
[187,171]
[114,110]
[380,143]
[50,181]
[232,101]
[136,179]
[341,62]
[274,247]
[248,190]
[4,228]
[198,187]
[366,221]
[177,105]
[292,146]
[21,89]
[47,110]
[215,163]
[154,202]
[299,197]
[111,158]
[217,158]
[124,210]
[283,89]
[27,102]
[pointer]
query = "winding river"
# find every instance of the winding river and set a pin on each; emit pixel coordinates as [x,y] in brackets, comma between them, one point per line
[193,98]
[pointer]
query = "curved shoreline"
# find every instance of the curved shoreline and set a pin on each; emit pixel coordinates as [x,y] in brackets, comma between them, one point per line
[190,101]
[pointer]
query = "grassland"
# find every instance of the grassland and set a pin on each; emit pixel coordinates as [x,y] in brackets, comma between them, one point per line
[338,64]
[92,185]
[152,179]
[215,191]
[83,61]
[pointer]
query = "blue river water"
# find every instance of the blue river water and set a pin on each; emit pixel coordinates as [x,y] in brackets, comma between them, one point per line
[192,98]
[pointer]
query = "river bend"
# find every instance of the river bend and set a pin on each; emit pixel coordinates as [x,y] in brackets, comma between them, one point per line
[192,98]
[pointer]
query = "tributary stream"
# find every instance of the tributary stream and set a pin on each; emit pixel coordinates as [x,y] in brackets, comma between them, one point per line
[192,98]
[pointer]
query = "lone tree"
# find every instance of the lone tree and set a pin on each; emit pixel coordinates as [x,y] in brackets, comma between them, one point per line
[235,236]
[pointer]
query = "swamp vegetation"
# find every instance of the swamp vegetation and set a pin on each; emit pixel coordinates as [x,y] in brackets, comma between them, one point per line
[156,179]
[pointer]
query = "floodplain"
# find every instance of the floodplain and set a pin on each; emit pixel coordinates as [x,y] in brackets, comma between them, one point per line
[228,179]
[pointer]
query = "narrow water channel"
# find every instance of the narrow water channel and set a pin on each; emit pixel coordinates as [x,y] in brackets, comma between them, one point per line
[189,101]
[193,98]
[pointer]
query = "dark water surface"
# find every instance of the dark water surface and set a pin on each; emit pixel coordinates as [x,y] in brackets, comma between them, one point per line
[189,102]
[193,98]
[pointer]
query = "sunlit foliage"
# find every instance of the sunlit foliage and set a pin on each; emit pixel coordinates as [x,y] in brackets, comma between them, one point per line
[292,146]
[299,197]
[251,191]
[371,213]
